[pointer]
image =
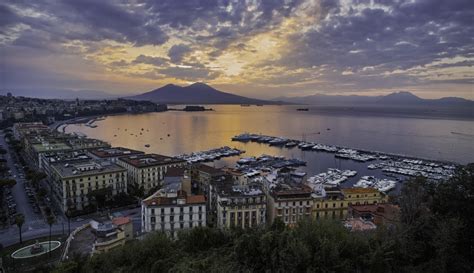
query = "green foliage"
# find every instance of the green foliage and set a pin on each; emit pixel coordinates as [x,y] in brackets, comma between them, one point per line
[434,235]
[7,182]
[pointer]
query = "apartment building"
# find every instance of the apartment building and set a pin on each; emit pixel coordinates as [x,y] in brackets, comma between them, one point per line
[241,206]
[78,181]
[148,170]
[171,212]
[290,202]
[114,153]
[334,203]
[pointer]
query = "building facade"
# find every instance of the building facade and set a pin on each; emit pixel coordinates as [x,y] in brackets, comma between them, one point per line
[73,184]
[148,170]
[172,212]
[241,206]
[290,203]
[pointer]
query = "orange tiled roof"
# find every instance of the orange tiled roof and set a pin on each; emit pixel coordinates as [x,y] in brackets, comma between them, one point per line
[359,190]
[195,199]
[118,221]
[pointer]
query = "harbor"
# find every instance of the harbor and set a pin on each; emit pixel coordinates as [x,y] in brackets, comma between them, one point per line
[210,155]
[396,167]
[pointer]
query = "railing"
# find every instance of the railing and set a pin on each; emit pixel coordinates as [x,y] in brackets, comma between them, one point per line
[70,238]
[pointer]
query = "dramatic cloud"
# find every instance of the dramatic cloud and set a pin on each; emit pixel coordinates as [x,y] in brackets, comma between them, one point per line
[177,52]
[262,48]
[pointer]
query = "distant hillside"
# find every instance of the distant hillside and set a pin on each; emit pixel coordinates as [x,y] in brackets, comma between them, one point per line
[397,98]
[64,94]
[197,93]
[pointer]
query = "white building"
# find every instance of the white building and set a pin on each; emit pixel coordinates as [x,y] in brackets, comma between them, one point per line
[173,211]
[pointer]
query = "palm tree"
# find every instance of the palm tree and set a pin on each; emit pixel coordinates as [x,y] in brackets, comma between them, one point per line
[19,221]
[50,221]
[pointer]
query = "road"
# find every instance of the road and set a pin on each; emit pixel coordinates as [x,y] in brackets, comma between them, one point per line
[32,219]
[11,235]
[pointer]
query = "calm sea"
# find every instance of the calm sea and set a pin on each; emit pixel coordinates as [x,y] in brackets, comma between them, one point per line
[175,132]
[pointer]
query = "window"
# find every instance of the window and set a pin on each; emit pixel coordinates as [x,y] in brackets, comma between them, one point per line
[153,211]
[153,219]
[171,218]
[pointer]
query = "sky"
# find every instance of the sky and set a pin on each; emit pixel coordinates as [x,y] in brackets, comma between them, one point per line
[261,49]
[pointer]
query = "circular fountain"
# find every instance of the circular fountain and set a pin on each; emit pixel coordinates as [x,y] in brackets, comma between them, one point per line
[36,249]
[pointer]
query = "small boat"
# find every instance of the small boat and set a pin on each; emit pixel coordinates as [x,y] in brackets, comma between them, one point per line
[147,145]
[302,109]
[291,144]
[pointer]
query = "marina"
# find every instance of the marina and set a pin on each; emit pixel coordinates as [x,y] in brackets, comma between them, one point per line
[210,155]
[332,177]
[383,185]
[389,164]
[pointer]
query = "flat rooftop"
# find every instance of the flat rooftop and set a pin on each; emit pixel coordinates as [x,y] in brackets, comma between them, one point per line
[114,152]
[61,156]
[359,190]
[47,146]
[291,190]
[229,190]
[150,160]
[210,170]
[85,168]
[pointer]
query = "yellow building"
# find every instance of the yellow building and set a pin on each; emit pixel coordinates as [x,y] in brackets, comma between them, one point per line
[330,206]
[363,196]
[335,203]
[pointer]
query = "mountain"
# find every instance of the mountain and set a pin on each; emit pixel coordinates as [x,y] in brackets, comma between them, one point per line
[196,93]
[398,98]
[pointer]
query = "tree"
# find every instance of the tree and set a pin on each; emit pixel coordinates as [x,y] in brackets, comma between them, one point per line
[50,221]
[68,213]
[7,183]
[19,221]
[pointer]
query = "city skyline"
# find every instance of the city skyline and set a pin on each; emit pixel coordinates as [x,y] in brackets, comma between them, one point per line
[261,49]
